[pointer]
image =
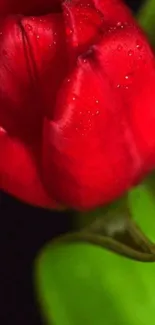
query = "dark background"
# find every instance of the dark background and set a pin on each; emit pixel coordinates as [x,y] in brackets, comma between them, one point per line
[23,232]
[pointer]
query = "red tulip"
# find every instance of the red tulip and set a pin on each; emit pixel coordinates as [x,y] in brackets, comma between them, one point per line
[77,121]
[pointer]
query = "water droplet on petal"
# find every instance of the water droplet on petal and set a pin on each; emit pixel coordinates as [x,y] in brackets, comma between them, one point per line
[69,31]
[118,86]
[120,24]
[111,29]
[38,36]
[97,101]
[128,80]
[138,45]
[130,52]
[1,33]
[119,47]
[2,130]
[28,27]
[127,77]
[97,112]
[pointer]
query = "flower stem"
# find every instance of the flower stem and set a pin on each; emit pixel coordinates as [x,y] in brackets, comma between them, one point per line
[84,219]
[112,228]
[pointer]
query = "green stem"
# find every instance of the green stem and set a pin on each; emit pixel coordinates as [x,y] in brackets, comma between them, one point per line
[84,219]
[113,228]
[146,19]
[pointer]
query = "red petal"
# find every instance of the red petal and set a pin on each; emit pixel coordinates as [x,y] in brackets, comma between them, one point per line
[86,20]
[115,12]
[83,25]
[30,56]
[30,7]
[128,60]
[18,173]
[89,156]
[93,148]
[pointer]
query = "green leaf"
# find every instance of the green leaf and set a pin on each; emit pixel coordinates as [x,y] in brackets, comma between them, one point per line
[146,18]
[84,284]
[142,206]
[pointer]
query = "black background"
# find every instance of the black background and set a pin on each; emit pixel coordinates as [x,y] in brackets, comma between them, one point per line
[23,232]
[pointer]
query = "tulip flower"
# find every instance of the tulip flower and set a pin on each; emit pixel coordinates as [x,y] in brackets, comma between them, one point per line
[76,102]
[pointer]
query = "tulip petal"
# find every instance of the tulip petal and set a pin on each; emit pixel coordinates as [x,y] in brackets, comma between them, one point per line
[74,96]
[83,25]
[29,7]
[115,12]
[30,54]
[86,169]
[128,60]
[29,59]
[87,20]
[18,173]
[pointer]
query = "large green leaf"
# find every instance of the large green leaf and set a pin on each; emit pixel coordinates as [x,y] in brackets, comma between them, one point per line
[82,284]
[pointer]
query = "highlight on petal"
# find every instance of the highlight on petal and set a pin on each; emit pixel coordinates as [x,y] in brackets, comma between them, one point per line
[86,149]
